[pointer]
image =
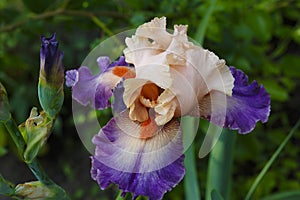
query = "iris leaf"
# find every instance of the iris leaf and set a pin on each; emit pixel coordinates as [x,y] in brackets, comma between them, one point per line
[291,195]
[191,186]
[199,37]
[271,161]
[215,195]
[220,165]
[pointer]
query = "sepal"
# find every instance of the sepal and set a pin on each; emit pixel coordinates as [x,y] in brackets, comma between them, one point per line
[35,131]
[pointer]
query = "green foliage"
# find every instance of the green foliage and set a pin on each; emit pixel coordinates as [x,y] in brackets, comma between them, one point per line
[293,195]
[260,37]
[6,188]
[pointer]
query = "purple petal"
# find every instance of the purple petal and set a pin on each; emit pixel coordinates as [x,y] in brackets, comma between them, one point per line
[152,184]
[248,104]
[148,167]
[71,77]
[85,88]
[103,62]
[103,94]
[95,90]
[120,62]
[118,104]
[51,65]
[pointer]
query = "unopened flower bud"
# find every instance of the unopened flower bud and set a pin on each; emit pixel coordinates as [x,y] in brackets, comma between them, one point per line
[36,190]
[51,79]
[35,131]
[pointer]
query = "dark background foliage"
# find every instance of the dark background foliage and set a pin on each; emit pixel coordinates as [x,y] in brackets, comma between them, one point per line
[260,37]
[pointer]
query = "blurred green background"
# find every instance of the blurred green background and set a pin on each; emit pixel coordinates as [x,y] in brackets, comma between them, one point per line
[260,37]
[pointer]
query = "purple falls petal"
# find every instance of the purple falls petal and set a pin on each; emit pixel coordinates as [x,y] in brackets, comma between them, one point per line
[103,62]
[84,89]
[248,104]
[103,94]
[71,77]
[95,90]
[143,167]
[152,184]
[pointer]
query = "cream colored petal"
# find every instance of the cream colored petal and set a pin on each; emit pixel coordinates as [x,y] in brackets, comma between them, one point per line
[166,97]
[167,110]
[214,72]
[137,112]
[132,90]
[155,30]
[177,48]
[150,63]
[138,49]
[158,73]
[185,86]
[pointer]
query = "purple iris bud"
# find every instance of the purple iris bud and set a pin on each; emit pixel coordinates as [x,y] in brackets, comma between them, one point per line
[51,61]
[50,87]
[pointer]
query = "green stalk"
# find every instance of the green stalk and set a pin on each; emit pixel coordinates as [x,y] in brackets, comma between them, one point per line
[271,161]
[220,165]
[39,173]
[204,23]
[15,134]
[21,145]
[191,186]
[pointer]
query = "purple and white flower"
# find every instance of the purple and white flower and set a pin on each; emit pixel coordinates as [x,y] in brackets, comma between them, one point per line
[141,149]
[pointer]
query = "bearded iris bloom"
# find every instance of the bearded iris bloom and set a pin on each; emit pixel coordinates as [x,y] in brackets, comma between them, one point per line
[161,77]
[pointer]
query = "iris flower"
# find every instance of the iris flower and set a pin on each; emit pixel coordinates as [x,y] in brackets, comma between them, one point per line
[161,77]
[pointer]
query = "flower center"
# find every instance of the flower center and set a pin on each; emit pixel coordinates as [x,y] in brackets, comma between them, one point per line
[150,91]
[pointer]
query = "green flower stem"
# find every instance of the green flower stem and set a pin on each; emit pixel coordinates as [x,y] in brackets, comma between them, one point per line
[220,165]
[20,143]
[204,23]
[39,173]
[271,161]
[191,186]
[16,135]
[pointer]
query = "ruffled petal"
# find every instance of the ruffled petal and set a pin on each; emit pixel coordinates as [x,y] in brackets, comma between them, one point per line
[152,184]
[96,90]
[174,64]
[248,104]
[155,30]
[140,158]
[103,62]
[149,61]
[84,89]
[71,77]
